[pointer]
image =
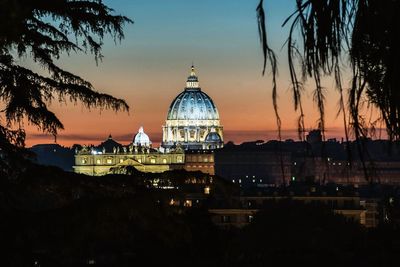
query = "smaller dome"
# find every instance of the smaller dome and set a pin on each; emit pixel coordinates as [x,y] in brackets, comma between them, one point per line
[141,139]
[108,145]
[213,137]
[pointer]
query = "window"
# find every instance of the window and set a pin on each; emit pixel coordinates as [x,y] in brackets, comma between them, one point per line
[188,203]
[121,160]
[98,161]
[164,161]
[250,218]
[139,160]
[179,159]
[84,161]
[207,190]
[109,161]
[152,161]
[225,219]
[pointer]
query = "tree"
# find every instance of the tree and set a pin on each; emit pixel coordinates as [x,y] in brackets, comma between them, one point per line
[361,33]
[44,30]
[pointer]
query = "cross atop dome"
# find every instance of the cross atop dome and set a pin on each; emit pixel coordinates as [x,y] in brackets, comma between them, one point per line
[192,73]
[192,81]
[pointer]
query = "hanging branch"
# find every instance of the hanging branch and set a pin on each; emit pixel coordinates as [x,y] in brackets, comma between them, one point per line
[269,55]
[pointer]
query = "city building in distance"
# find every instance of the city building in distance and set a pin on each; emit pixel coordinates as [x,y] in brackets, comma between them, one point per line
[193,140]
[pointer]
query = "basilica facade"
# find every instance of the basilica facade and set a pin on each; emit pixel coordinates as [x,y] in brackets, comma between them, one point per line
[191,133]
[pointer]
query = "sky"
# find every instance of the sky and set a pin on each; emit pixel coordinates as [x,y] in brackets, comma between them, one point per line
[150,66]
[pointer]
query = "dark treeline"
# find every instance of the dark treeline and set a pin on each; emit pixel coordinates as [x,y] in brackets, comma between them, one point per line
[66,219]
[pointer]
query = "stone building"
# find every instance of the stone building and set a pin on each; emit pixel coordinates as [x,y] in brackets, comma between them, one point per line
[110,154]
[193,119]
[200,160]
[253,164]
[192,127]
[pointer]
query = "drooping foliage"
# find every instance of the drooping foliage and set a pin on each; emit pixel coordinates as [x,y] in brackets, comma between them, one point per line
[43,31]
[327,37]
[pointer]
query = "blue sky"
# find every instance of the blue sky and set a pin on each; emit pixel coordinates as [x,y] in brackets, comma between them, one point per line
[149,68]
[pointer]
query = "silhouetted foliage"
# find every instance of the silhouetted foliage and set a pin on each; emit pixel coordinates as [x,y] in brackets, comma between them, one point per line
[56,218]
[43,31]
[324,36]
[67,219]
[287,233]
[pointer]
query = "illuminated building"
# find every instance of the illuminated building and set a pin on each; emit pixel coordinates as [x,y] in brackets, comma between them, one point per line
[200,160]
[192,127]
[110,155]
[193,119]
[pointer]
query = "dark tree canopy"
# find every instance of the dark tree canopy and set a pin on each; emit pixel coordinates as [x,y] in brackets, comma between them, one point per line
[325,36]
[43,30]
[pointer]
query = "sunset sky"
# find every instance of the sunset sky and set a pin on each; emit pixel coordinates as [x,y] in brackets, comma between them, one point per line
[149,68]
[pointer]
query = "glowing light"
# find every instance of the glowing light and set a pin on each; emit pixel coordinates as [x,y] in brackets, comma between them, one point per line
[207,190]
[188,203]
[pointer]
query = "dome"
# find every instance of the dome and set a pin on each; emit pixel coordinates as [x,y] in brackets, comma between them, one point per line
[141,139]
[213,137]
[192,103]
[191,117]
[108,145]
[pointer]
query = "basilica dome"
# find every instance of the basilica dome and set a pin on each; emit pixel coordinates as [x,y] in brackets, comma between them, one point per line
[192,104]
[191,116]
